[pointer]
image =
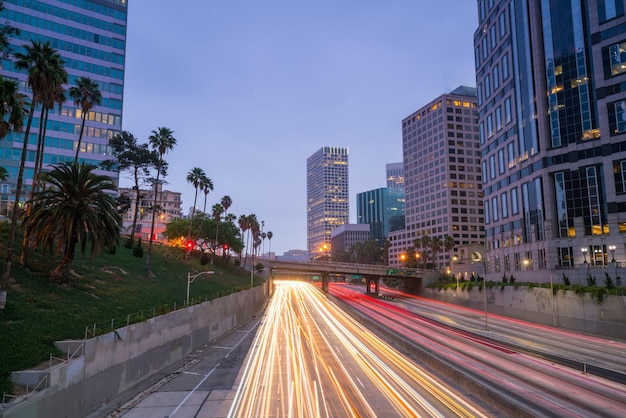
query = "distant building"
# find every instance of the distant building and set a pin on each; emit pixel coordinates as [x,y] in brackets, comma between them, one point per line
[90,36]
[395,175]
[294,255]
[328,204]
[170,203]
[442,175]
[383,210]
[346,235]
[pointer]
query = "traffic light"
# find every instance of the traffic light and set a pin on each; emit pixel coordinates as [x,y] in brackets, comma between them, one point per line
[225,247]
[189,245]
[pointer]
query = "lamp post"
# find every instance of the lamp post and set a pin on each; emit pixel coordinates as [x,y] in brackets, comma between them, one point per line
[612,250]
[252,273]
[454,258]
[191,278]
[485,289]
[584,251]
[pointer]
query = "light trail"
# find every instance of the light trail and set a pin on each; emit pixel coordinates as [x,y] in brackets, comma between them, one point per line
[310,359]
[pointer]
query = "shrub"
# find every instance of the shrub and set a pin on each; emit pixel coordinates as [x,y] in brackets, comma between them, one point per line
[504,279]
[591,280]
[566,281]
[204,259]
[608,282]
[511,279]
[138,250]
[129,243]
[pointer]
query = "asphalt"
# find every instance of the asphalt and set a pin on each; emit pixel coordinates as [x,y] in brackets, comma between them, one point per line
[203,384]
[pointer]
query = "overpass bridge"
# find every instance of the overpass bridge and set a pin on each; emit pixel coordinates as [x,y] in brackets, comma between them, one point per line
[411,279]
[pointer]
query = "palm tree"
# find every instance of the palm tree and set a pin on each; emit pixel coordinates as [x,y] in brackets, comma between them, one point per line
[4,174]
[46,74]
[76,209]
[269,240]
[85,94]
[243,225]
[217,211]
[195,177]
[435,245]
[206,186]
[226,202]
[12,115]
[161,140]
[425,244]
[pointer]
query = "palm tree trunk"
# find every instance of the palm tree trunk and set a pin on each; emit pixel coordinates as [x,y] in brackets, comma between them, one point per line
[80,136]
[61,272]
[156,188]
[136,215]
[6,273]
[193,211]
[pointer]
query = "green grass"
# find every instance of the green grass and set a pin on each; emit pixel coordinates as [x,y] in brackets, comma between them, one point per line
[106,289]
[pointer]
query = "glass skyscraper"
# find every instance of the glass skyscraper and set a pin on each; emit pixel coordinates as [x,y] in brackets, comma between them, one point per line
[551,106]
[328,204]
[90,35]
[383,210]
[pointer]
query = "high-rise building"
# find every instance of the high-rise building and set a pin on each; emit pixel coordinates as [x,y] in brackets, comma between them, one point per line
[551,104]
[90,35]
[327,195]
[442,178]
[395,176]
[345,236]
[383,210]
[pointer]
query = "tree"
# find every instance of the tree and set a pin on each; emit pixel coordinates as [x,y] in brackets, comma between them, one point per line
[4,174]
[243,225]
[161,140]
[6,31]
[46,74]
[425,244]
[435,245]
[216,212]
[195,176]
[448,243]
[137,159]
[226,202]
[269,240]
[75,210]
[85,94]
[12,114]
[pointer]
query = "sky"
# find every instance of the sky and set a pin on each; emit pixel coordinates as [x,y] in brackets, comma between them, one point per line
[252,88]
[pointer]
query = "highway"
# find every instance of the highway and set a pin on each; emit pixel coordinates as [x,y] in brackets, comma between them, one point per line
[500,358]
[309,356]
[310,359]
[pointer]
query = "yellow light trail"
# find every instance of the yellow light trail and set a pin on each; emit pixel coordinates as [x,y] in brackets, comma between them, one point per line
[310,359]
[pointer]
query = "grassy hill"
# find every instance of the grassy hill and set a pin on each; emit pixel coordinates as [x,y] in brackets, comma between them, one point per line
[105,291]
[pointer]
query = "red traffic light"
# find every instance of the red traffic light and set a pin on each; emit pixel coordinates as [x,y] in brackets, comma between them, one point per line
[225,247]
[189,245]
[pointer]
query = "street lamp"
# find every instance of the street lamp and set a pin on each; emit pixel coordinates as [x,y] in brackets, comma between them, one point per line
[324,250]
[191,278]
[252,273]
[454,258]
[612,250]
[584,251]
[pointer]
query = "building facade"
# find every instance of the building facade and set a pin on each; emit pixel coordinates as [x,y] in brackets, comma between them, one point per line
[442,175]
[395,175]
[169,202]
[327,195]
[551,103]
[345,236]
[90,35]
[383,210]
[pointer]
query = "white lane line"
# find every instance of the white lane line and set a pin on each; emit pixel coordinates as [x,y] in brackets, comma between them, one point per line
[206,376]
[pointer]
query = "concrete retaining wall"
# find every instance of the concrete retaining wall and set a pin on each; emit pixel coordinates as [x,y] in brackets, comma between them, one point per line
[117,361]
[571,311]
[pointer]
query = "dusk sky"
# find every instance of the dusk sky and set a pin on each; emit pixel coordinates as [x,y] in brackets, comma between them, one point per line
[252,88]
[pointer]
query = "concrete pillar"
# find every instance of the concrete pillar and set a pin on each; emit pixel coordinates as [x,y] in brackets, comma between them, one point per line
[371,283]
[325,282]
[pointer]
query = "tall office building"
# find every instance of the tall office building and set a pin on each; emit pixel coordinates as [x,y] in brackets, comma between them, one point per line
[442,178]
[383,210]
[90,35]
[327,195]
[395,175]
[551,100]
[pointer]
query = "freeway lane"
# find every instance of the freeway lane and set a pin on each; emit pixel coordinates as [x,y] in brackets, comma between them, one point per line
[535,385]
[309,359]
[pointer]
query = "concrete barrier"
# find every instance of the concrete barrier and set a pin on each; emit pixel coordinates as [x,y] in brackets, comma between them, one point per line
[115,362]
[535,304]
